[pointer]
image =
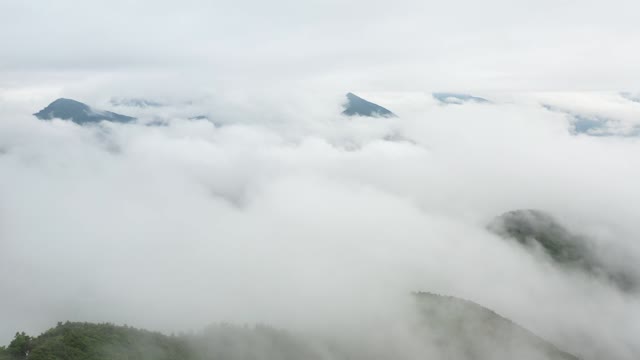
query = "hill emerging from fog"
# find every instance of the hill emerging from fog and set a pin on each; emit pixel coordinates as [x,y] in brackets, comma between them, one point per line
[357,106]
[537,230]
[78,112]
[465,330]
[444,327]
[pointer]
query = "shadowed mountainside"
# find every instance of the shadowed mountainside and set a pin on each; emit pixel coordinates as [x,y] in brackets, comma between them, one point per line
[535,229]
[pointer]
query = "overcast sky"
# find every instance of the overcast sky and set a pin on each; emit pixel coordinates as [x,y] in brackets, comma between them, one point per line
[372,45]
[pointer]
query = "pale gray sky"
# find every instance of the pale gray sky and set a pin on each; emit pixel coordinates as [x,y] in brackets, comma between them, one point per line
[379,45]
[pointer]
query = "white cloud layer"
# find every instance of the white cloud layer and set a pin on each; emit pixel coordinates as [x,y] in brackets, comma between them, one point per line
[281,210]
[302,218]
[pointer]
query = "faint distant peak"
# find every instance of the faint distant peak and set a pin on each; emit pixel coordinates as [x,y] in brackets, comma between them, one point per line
[134,102]
[357,106]
[457,98]
[631,96]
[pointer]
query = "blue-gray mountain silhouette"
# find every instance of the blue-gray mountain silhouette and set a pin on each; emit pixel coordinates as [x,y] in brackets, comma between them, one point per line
[78,112]
[594,124]
[457,99]
[358,106]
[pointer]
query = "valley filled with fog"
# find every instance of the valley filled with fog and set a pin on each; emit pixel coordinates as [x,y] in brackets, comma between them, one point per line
[304,218]
[319,180]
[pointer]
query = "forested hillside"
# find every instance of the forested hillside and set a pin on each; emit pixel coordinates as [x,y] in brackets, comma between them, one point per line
[444,327]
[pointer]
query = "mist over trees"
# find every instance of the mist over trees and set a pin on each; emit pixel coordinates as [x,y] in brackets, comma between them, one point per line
[443,327]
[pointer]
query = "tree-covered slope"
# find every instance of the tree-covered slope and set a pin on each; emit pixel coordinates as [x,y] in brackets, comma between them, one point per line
[87,341]
[442,327]
[97,341]
[465,330]
[535,229]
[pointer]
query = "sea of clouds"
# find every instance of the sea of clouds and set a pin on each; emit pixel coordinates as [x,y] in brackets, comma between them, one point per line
[277,209]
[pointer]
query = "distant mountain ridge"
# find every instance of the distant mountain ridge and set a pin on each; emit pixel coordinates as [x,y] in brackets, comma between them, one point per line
[457,99]
[68,109]
[596,125]
[134,102]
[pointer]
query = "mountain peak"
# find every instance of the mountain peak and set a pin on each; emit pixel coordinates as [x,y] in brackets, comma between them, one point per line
[358,106]
[80,113]
[65,100]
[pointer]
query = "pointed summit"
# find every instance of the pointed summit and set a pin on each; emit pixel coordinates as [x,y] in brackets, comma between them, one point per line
[358,106]
[78,112]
